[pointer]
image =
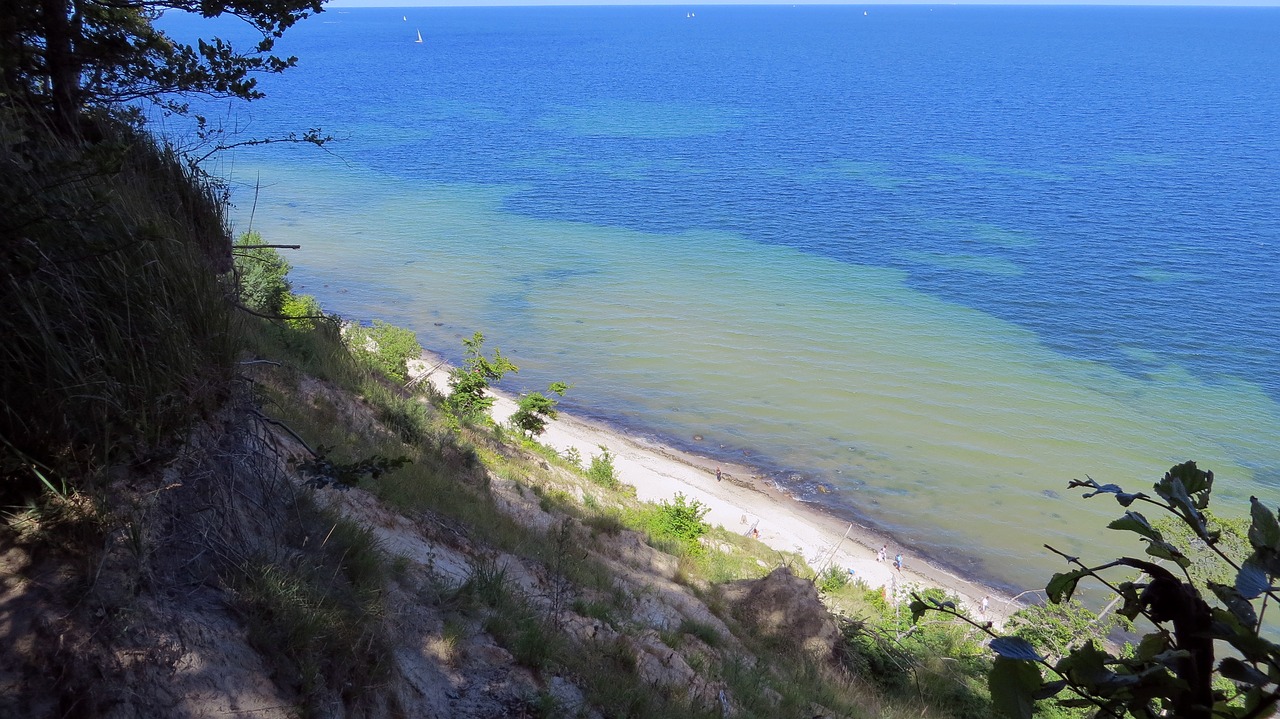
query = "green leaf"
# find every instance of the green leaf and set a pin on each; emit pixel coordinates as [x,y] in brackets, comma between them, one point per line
[1186,508]
[1251,580]
[1133,604]
[918,608]
[1192,479]
[1165,550]
[1268,559]
[1049,689]
[1169,658]
[1063,584]
[1236,670]
[1239,607]
[1015,648]
[1245,640]
[1152,645]
[1135,522]
[1086,665]
[1264,531]
[1013,687]
[1124,498]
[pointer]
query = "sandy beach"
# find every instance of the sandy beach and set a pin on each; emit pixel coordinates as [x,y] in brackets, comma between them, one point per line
[742,500]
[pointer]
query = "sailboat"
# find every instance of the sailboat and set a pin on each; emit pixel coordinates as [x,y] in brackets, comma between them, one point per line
[419,40]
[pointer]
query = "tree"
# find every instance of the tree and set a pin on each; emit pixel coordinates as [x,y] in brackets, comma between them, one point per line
[534,409]
[69,55]
[1172,672]
[468,383]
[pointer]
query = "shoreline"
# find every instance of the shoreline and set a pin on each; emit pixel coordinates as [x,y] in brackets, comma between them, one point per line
[746,498]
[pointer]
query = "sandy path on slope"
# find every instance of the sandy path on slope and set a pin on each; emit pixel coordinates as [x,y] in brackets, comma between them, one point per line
[742,500]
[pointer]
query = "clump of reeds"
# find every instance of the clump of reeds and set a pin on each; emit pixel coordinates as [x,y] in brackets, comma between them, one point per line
[114,328]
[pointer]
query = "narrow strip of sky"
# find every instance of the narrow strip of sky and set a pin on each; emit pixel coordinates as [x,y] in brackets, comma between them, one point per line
[702,3]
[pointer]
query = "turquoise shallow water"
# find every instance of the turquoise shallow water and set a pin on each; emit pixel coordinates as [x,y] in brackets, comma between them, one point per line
[922,269]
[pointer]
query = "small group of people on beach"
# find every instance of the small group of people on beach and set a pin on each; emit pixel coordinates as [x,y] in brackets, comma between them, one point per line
[883,555]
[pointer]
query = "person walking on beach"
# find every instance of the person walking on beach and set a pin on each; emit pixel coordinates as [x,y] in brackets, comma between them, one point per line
[986,602]
[883,554]
[717,474]
[897,562]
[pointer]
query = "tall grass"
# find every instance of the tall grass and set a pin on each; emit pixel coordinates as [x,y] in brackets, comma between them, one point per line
[116,328]
[317,618]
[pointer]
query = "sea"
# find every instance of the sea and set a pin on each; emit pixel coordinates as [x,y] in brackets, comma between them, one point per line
[920,266]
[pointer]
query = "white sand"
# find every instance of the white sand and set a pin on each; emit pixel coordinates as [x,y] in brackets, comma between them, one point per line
[743,500]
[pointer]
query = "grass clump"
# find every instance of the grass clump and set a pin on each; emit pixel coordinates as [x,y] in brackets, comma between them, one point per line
[701,630]
[117,330]
[318,618]
[940,663]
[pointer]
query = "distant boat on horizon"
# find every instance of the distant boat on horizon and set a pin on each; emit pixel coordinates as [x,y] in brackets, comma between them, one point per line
[419,40]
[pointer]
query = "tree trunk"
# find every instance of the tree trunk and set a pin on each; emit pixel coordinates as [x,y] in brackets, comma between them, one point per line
[12,50]
[61,65]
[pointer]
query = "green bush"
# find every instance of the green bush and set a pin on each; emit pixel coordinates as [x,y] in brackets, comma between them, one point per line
[385,347]
[305,308]
[262,273]
[680,520]
[1056,629]
[317,619]
[833,580]
[573,457]
[701,630]
[601,471]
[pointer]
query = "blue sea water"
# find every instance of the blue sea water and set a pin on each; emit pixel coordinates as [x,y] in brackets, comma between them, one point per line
[920,264]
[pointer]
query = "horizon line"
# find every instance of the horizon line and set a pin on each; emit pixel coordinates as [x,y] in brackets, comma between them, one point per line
[382,4]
